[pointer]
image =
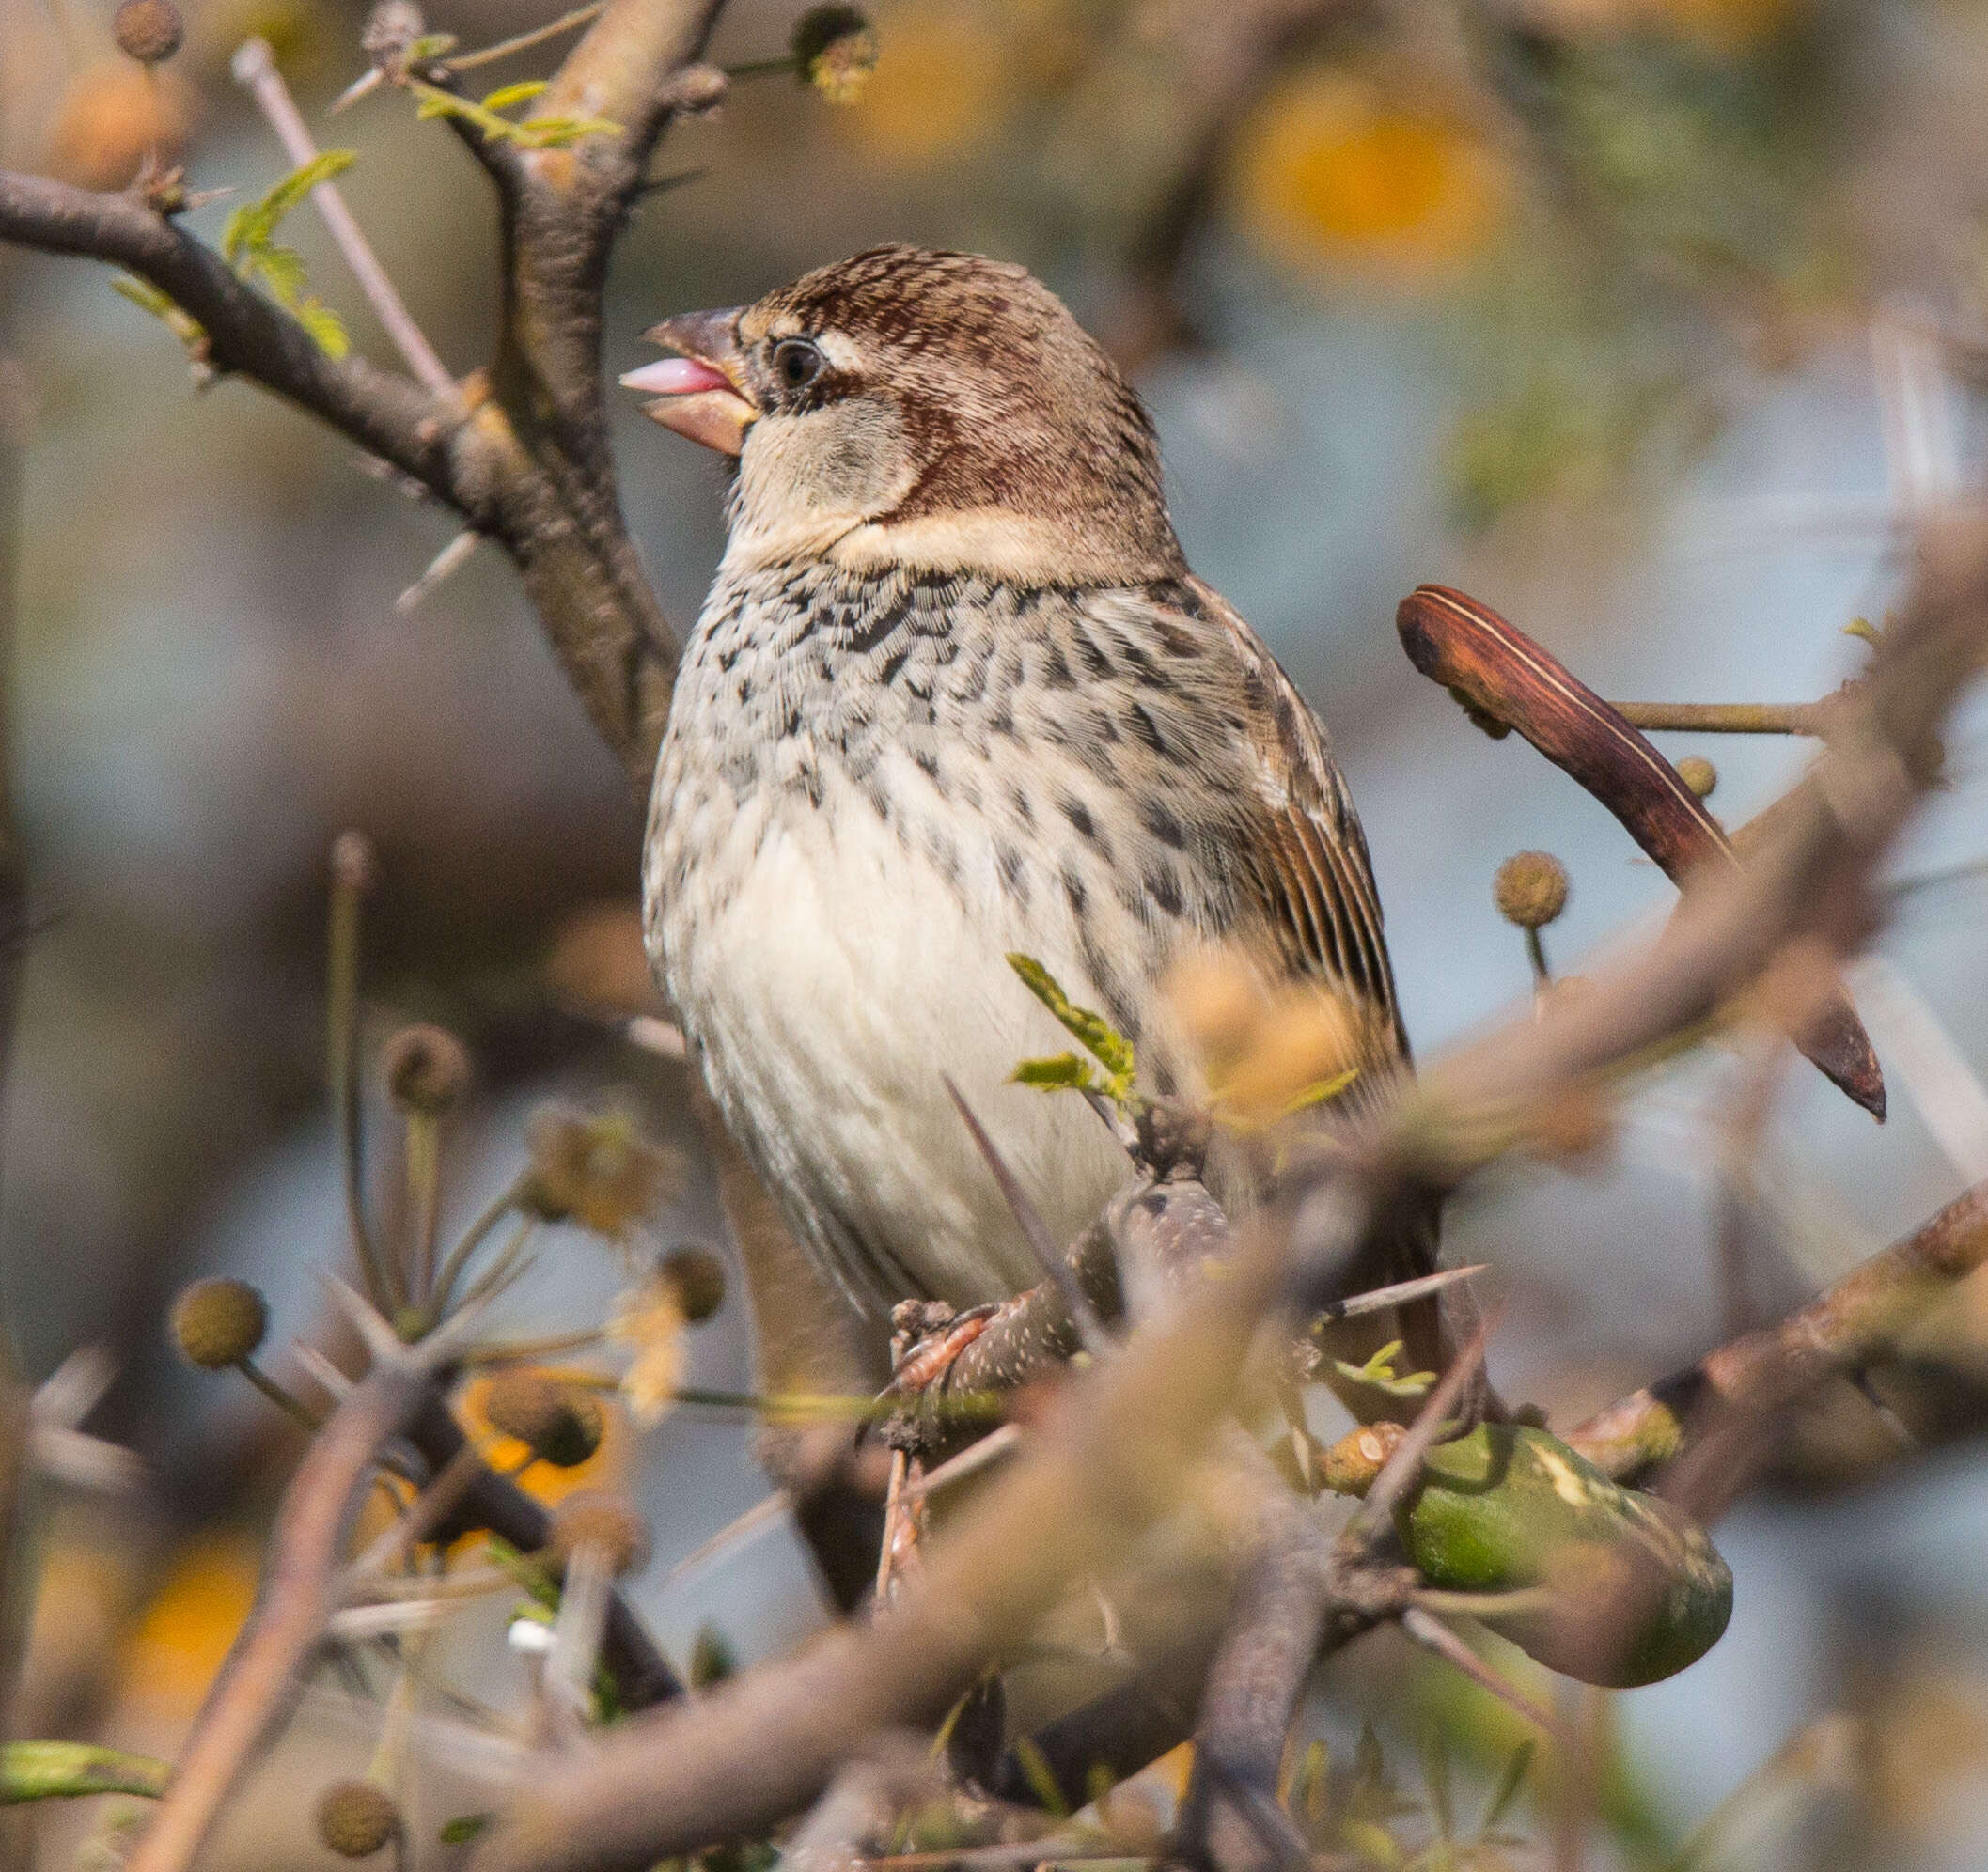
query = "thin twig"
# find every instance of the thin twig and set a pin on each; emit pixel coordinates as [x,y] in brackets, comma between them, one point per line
[255,70]
[1429,1631]
[1048,1252]
[489,54]
[1729,718]
[262,1676]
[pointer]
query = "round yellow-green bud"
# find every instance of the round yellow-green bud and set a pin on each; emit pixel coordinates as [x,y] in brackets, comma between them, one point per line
[426,1069]
[1699,775]
[1531,889]
[355,1819]
[596,1518]
[217,1323]
[698,1277]
[148,30]
[560,1423]
[835,49]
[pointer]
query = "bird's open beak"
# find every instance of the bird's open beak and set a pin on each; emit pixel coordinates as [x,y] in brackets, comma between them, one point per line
[701,393]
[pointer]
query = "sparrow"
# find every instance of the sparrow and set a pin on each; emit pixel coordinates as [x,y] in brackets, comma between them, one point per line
[955,695]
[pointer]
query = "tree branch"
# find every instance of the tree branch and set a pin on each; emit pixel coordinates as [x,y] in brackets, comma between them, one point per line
[1857,1323]
[1112,1455]
[298,1594]
[248,334]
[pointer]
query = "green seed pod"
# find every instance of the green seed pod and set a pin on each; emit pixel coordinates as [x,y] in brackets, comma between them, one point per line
[1635,1590]
[218,1323]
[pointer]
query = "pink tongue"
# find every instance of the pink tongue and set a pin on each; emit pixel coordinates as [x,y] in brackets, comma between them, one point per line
[675,376]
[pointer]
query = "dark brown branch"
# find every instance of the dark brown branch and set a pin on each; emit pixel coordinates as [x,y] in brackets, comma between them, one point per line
[1857,1323]
[495,1504]
[249,335]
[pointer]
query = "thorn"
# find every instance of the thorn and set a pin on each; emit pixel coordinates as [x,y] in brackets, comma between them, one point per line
[444,562]
[368,80]
[382,1342]
[1431,1633]
[1083,1315]
[1377,1299]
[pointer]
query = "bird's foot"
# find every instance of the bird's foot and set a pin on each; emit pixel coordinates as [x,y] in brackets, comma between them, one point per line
[926,1337]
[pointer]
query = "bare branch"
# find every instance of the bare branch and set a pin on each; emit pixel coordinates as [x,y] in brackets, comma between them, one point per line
[263,1673]
[246,333]
[1857,1323]
[255,67]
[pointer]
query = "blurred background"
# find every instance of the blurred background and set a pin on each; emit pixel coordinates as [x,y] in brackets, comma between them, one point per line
[1649,322]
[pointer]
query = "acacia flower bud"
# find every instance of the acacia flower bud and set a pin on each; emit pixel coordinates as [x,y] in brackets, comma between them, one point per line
[560,1423]
[218,1323]
[698,1277]
[355,1819]
[1531,889]
[148,30]
[595,1518]
[426,1069]
[1698,773]
[596,1169]
[835,49]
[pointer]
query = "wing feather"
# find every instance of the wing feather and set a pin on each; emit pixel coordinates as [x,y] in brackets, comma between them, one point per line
[1309,864]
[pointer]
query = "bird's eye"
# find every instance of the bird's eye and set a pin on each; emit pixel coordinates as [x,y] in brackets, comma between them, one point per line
[797,362]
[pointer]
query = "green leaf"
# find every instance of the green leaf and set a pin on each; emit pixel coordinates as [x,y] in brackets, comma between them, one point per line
[1096,1035]
[302,179]
[431,46]
[1509,1785]
[505,96]
[1436,1772]
[460,1832]
[1041,1777]
[1380,1373]
[51,1771]
[556,132]
[147,297]
[1060,1072]
[324,326]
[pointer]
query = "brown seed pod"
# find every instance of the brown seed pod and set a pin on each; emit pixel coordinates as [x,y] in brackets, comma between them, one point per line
[148,30]
[1531,889]
[426,1069]
[217,1323]
[560,1423]
[698,1277]
[1699,775]
[355,1819]
[596,1518]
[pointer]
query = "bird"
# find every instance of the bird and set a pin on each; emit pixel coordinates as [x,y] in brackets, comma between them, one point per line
[955,695]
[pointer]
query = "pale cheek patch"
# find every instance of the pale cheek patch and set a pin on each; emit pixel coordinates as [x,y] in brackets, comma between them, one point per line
[804,477]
